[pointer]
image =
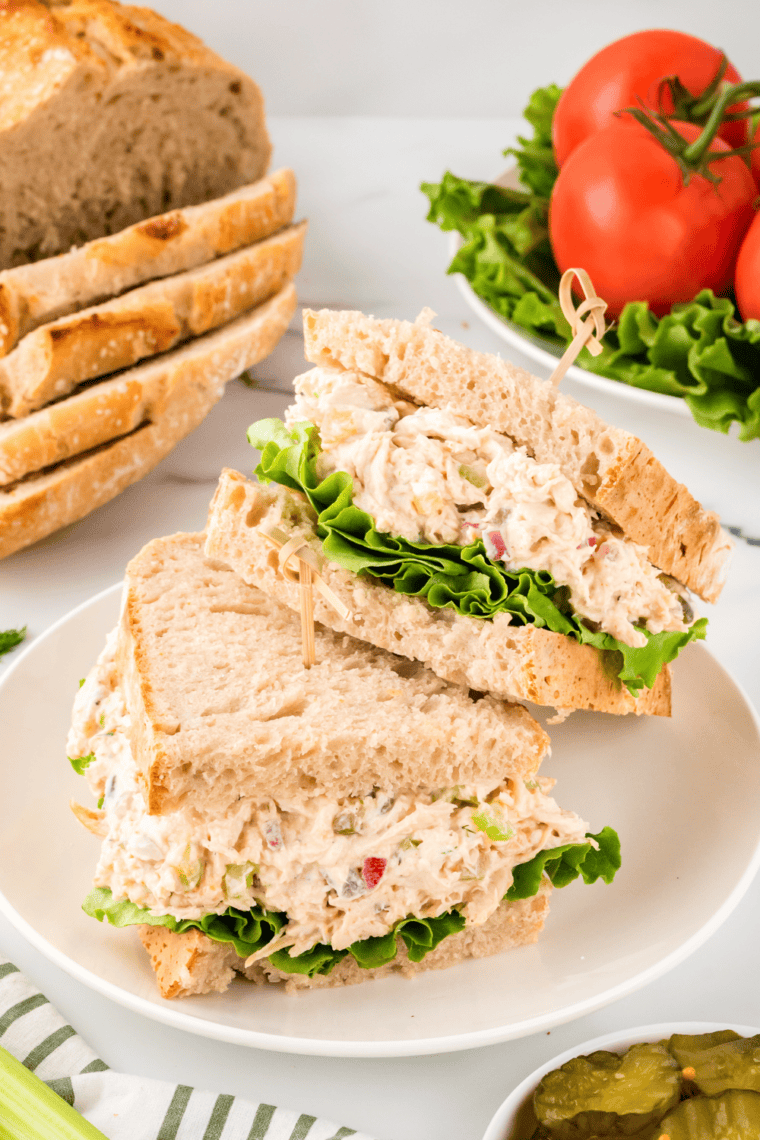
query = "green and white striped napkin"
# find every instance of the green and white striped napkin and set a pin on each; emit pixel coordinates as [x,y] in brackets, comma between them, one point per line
[134,1108]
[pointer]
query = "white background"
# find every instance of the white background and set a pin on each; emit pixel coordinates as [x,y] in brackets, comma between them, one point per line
[443,58]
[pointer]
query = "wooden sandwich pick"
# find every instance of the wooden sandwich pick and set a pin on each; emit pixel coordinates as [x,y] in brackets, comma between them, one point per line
[586,322]
[309,578]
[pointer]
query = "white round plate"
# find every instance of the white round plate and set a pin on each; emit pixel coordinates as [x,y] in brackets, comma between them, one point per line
[515,1121]
[678,791]
[546,354]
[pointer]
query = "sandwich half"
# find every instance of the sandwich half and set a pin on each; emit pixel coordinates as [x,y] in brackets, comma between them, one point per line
[310,825]
[480,521]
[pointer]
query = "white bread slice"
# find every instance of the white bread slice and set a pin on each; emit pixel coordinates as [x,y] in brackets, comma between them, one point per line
[191,963]
[513,662]
[612,469]
[189,382]
[31,295]
[51,361]
[221,704]
[111,114]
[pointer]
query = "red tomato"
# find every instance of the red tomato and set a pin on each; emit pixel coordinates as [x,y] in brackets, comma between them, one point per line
[620,209]
[630,70]
[747,278]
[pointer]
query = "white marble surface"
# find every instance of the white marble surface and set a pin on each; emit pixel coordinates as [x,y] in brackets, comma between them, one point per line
[369,247]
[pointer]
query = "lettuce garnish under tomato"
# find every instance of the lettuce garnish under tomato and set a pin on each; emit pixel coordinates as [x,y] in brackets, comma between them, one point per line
[251,930]
[461,578]
[699,350]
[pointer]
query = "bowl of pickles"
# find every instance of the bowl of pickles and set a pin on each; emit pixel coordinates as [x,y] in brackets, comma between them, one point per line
[690,1081]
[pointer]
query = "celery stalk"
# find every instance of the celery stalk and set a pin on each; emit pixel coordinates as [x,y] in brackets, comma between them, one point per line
[29,1110]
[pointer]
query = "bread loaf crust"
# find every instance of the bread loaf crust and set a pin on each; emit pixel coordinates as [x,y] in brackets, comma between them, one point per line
[31,295]
[512,662]
[110,115]
[192,963]
[51,361]
[192,379]
[612,469]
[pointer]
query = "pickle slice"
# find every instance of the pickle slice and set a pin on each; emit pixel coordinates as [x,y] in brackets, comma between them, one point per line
[720,1061]
[733,1116]
[606,1094]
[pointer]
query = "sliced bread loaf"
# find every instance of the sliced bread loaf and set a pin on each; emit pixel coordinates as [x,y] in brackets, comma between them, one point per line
[149,414]
[111,114]
[221,704]
[513,662]
[31,295]
[612,469]
[51,361]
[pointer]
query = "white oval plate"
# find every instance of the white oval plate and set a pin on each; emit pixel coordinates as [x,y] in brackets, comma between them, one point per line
[542,351]
[505,1125]
[631,773]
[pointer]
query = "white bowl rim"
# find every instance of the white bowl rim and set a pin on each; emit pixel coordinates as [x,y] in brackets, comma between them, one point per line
[622,1038]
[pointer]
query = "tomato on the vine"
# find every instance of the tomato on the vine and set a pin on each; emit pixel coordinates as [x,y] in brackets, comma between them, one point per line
[622,208]
[747,277]
[629,73]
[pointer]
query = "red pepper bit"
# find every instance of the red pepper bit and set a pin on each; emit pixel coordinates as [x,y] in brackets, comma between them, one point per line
[373,871]
[499,545]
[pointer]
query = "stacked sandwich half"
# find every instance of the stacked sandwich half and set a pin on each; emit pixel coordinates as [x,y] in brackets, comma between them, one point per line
[315,826]
[467,515]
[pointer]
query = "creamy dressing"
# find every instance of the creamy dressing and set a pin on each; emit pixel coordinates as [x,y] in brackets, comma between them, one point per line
[429,475]
[342,869]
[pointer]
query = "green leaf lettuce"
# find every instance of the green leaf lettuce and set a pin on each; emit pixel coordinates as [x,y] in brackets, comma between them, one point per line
[699,351]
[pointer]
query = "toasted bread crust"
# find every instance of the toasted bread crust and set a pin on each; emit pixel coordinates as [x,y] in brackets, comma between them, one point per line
[191,963]
[513,662]
[170,243]
[51,361]
[609,467]
[192,380]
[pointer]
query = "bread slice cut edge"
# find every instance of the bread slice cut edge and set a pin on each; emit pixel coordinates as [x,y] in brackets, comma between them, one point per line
[145,322]
[42,291]
[41,503]
[512,662]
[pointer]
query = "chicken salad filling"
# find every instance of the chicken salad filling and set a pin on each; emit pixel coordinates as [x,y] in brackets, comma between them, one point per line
[429,475]
[341,869]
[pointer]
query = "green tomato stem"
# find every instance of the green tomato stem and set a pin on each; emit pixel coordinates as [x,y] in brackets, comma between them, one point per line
[696,151]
